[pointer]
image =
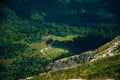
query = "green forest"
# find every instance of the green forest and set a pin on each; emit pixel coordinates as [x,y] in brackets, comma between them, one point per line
[24,23]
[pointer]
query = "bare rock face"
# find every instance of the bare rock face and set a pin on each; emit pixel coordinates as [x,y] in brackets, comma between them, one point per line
[70,61]
[110,49]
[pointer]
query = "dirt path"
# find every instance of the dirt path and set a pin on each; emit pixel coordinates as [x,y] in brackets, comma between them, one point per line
[44,49]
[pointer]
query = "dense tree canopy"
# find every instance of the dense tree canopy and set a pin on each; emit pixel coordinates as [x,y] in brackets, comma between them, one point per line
[24,22]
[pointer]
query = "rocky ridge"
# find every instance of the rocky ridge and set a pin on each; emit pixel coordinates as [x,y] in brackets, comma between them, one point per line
[109,49]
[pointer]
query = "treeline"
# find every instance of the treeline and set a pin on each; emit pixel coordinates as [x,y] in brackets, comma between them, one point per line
[24,22]
[80,44]
[30,33]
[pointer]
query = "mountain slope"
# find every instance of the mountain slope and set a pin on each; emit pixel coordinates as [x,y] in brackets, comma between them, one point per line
[109,49]
[98,64]
[24,24]
[100,69]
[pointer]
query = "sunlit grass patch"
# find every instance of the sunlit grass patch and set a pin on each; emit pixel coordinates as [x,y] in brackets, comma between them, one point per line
[60,38]
[38,46]
[67,38]
[52,52]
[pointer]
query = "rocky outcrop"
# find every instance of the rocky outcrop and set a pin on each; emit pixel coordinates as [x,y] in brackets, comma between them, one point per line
[71,61]
[106,50]
[110,49]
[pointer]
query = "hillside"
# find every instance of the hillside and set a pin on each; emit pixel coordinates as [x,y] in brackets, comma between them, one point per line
[92,65]
[107,68]
[36,34]
[109,49]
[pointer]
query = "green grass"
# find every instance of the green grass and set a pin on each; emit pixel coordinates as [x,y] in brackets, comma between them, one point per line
[67,38]
[59,38]
[38,45]
[104,47]
[34,49]
[52,53]
[107,68]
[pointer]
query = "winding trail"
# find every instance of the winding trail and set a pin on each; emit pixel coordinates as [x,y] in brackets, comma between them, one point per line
[49,45]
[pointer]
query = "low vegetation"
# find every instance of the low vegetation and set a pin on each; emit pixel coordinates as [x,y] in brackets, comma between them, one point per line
[52,53]
[107,68]
[104,47]
[25,26]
